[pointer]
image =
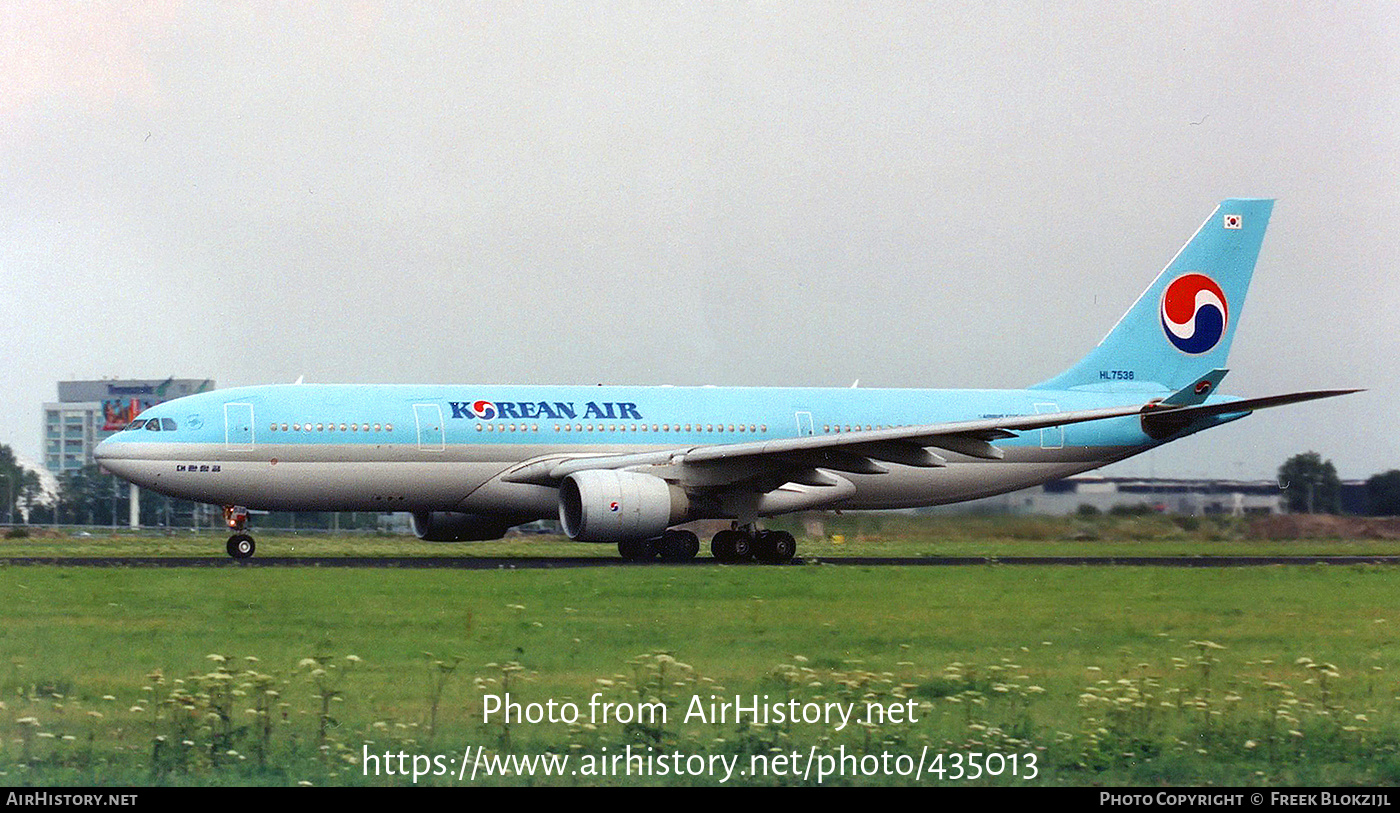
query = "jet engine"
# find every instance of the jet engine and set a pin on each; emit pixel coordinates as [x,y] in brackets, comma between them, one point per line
[611,506]
[451,526]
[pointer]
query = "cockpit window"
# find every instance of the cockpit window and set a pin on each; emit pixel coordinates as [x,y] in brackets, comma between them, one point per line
[167,424]
[153,425]
[136,424]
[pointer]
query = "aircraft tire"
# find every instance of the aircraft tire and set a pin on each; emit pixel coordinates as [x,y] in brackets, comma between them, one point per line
[731,546]
[636,550]
[678,546]
[763,549]
[241,546]
[774,547]
[721,547]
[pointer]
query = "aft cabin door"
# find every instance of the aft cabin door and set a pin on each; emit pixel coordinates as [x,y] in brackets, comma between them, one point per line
[429,417]
[1051,437]
[238,427]
[804,424]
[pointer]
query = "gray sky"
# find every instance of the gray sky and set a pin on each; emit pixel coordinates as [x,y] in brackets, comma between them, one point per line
[921,194]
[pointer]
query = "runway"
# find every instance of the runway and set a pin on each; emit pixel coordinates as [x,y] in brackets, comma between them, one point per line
[534,563]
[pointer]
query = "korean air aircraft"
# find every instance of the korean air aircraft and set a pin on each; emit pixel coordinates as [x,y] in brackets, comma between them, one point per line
[624,465]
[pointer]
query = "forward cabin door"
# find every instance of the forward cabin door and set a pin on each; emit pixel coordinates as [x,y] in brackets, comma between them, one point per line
[238,427]
[429,418]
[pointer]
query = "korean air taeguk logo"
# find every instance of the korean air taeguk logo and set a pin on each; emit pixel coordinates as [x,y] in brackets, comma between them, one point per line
[483,409]
[1194,313]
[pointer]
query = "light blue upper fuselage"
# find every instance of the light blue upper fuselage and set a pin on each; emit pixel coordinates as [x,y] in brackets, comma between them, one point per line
[571,417]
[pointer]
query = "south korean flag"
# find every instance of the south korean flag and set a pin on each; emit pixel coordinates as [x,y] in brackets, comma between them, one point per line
[1234,222]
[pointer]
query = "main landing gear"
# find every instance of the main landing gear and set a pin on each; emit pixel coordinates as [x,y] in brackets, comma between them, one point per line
[672,546]
[741,543]
[240,545]
[738,544]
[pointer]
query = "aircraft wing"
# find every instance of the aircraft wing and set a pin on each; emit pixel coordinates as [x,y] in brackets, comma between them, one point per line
[905,444]
[808,461]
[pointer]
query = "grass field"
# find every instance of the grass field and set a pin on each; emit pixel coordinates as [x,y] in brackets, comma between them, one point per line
[1280,675]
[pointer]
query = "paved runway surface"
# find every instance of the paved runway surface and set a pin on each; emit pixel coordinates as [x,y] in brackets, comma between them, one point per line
[523,563]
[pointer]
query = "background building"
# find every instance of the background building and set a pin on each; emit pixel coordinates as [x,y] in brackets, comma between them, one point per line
[86,412]
[1190,497]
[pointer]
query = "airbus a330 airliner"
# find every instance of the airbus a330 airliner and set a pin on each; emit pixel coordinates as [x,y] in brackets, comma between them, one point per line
[625,464]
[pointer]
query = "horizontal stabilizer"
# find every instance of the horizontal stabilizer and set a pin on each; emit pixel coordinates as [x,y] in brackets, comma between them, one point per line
[1251,404]
[1159,421]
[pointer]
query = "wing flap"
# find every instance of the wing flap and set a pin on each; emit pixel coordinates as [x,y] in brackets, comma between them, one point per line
[905,454]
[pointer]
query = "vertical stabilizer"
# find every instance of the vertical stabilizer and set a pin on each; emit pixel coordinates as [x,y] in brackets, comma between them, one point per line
[1184,322]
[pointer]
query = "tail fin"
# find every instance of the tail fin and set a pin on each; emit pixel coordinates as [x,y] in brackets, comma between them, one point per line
[1184,322]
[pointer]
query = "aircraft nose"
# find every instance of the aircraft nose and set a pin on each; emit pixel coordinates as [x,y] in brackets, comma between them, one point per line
[103,455]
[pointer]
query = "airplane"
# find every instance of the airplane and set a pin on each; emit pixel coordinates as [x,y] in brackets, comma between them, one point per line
[625,465]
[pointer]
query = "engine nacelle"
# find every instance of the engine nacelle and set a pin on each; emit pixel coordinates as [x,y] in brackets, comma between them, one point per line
[450,526]
[610,506]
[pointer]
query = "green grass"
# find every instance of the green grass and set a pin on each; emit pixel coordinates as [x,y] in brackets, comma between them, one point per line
[1103,673]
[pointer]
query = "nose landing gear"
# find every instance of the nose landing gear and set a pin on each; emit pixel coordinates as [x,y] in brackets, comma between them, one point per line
[240,545]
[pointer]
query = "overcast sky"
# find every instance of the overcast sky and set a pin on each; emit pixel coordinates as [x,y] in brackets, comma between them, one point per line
[908,194]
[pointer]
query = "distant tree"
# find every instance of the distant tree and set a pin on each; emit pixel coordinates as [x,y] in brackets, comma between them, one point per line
[31,493]
[17,485]
[89,497]
[1310,484]
[1383,493]
[41,514]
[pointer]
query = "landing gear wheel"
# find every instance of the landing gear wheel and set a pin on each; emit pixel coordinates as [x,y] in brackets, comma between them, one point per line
[241,546]
[677,546]
[731,546]
[774,547]
[636,550]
